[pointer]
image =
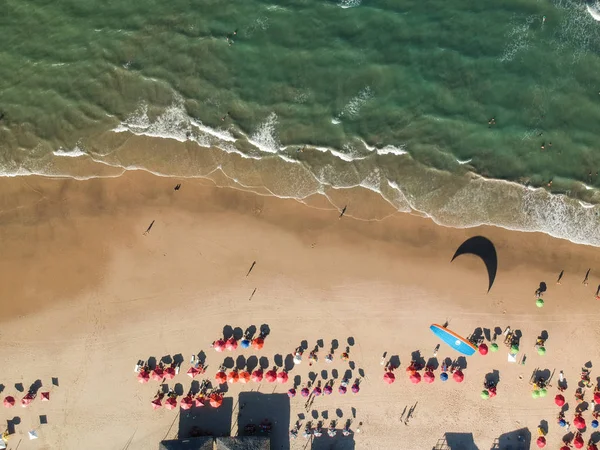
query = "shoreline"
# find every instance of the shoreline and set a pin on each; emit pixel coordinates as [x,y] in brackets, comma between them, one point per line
[87,295]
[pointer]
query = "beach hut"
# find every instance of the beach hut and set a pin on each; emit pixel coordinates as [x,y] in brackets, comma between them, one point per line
[221,377]
[257,376]
[187,402]
[9,401]
[271,376]
[389,377]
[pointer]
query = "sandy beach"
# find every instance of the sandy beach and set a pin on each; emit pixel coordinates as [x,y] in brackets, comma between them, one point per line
[85,295]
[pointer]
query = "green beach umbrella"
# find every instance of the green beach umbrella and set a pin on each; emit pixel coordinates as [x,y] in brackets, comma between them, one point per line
[539,303]
[543,392]
[494,347]
[485,394]
[541,350]
[514,349]
[535,394]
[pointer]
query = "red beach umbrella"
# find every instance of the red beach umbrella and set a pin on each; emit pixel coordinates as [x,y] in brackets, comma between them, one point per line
[596,397]
[415,378]
[458,376]
[186,402]
[592,446]
[389,377]
[231,344]
[317,391]
[258,343]
[483,349]
[9,401]
[305,392]
[565,447]
[291,392]
[192,372]
[579,422]
[221,377]
[541,442]
[169,373]
[156,403]
[199,401]
[216,400]
[578,441]
[355,388]
[271,376]
[342,389]
[282,377]
[233,377]
[559,400]
[143,376]
[171,403]
[26,401]
[257,376]
[158,374]
[219,345]
[244,377]
[429,377]
[45,396]
[327,390]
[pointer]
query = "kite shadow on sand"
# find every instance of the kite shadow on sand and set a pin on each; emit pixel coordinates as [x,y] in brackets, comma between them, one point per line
[482,247]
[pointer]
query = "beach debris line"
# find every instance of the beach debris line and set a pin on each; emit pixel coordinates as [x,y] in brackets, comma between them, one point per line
[483,248]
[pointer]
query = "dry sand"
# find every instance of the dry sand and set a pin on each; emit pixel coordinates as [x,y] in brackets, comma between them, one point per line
[85,295]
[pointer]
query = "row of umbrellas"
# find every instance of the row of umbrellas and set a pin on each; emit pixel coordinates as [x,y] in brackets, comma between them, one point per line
[215,400]
[514,349]
[327,390]
[168,373]
[10,401]
[428,376]
[257,376]
[231,344]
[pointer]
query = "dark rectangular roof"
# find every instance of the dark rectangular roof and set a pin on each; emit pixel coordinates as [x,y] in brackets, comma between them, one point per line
[198,443]
[244,443]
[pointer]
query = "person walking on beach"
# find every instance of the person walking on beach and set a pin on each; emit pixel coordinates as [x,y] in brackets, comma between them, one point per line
[587,275]
[560,275]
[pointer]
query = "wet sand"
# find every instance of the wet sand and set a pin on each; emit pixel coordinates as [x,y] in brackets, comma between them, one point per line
[86,295]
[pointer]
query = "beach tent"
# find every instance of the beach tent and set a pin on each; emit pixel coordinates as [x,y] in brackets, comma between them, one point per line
[257,376]
[282,377]
[231,344]
[156,403]
[9,401]
[186,402]
[158,374]
[559,400]
[32,434]
[541,442]
[221,377]
[429,377]
[389,377]
[258,343]
[219,345]
[271,376]
[244,377]
[458,343]
[458,376]
[192,372]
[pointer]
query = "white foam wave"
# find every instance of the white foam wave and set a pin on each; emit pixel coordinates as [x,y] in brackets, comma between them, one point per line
[355,104]
[75,153]
[349,3]
[466,161]
[594,11]
[391,150]
[265,137]
[518,37]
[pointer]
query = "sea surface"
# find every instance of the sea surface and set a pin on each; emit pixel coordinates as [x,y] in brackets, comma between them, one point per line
[294,98]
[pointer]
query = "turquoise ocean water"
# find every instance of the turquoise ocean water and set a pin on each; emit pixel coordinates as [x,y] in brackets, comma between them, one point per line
[302,97]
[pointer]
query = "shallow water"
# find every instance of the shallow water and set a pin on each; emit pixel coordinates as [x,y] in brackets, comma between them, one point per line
[391,96]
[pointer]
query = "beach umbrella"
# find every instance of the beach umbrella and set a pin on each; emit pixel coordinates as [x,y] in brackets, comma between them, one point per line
[304,392]
[171,403]
[514,349]
[594,423]
[245,343]
[535,394]
[233,377]
[156,403]
[192,372]
[32,434]
[9,401]
[143,376]
[342,389]
[483,349]
[45,396]
[221,377]
[565,447]
[458,376]
[258,343]
[543,392]
[26,401]
[562,423]
[596,397]
[592,446]
[578,441]
[157,374]
[169,373]
[216,400]
[389,377]
[541,351]
[415,378]
[282,377]
[429,377]
[539,303]
[327,390]
[271,376]
[485,394]
[186,402]
[199,401]
[297,358]
[410,369]
[316,391]
[291,392]
[219,345]
[579,422]
[444,376]
[559,400]
[494,347]
[257,376]
[231,344]
[492,392]
[355,388]
[244,377]
[541,442]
